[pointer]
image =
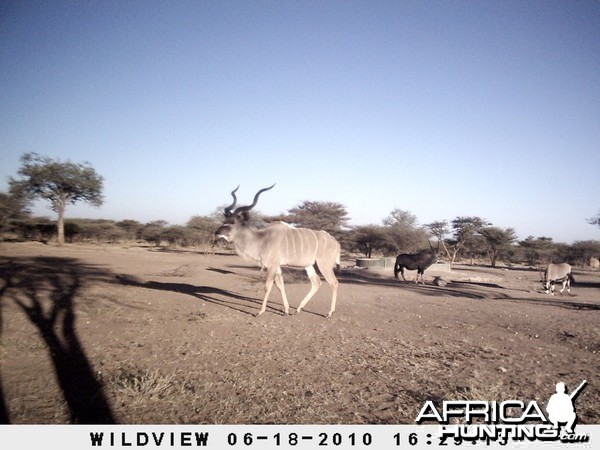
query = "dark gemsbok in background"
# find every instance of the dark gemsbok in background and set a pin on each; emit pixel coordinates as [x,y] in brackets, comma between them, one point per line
[280,244]
[557,272]
[420,262]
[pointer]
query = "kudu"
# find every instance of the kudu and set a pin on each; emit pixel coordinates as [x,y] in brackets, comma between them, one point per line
[280,244]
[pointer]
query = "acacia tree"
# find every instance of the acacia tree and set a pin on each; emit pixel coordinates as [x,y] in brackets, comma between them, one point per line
[153,232]
[401,218]
[404,234]
[465,235]
[327,216]
[537,250]
[367,238]
[131,228]
[440,229]
[13,207]
[202,231]
[498,241]
[581,251]
[60,183]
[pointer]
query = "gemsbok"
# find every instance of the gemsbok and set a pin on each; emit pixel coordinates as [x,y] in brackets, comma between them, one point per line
[280,244]
[415,261]
[557,272]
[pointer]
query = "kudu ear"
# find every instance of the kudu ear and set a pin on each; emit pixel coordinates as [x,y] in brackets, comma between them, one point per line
[245,216]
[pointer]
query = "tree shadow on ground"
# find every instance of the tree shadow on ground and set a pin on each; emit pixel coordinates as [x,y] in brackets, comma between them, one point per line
[4,416]
[45,290]
[557,302]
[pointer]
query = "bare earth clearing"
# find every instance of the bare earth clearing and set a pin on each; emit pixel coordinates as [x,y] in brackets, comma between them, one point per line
[136,335]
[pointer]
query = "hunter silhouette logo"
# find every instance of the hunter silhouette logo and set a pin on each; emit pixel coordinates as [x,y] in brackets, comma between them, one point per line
[508,420]
[560,406]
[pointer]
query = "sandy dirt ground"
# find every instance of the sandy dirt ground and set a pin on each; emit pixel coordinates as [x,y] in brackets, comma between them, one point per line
[133,334]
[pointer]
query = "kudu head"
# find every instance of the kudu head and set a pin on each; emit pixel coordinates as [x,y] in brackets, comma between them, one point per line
[238,217]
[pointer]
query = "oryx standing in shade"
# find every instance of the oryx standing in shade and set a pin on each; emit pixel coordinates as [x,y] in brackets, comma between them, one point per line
[280,244]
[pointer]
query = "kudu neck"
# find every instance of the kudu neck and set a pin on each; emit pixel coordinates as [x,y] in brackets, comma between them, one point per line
[248,240]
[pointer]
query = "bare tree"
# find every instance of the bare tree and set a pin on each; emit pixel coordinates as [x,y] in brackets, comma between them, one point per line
[60,183]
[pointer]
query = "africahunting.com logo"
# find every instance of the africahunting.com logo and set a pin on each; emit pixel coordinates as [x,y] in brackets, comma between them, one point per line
[510,420]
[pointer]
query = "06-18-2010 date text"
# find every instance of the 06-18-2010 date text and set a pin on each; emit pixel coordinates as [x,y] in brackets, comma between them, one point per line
[293,439]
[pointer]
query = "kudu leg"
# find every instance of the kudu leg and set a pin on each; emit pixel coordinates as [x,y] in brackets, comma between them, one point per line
[271,273]
[333,282]
[315,284]
[274,275]
[279,283]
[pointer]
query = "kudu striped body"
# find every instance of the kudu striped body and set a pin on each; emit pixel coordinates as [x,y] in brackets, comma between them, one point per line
[280,244]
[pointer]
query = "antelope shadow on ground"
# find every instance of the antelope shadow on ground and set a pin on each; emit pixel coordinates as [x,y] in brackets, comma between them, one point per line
[209,294]
[475,290]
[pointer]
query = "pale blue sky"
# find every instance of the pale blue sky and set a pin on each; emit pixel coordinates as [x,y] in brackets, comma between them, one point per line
[441,108]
